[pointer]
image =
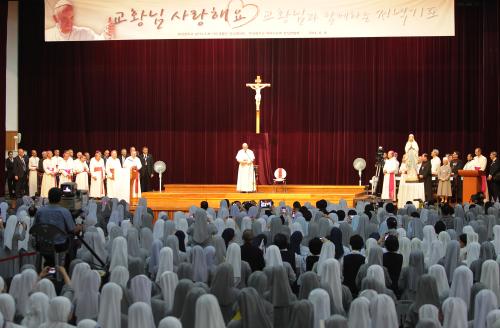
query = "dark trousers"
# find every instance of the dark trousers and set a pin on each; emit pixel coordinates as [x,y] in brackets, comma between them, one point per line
[457,189]
[494,190]
[145,182]
[11,184]
[21,186]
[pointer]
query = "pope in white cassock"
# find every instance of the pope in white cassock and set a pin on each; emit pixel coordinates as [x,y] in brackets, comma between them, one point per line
[97,172]
[246,173]
[112,166]
[81,170]
[133,162]
[390,169]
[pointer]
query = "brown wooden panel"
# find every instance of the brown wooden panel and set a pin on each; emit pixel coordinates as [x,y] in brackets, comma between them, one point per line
[9,140]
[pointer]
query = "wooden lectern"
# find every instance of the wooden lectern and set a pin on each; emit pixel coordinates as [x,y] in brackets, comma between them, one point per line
[472,183]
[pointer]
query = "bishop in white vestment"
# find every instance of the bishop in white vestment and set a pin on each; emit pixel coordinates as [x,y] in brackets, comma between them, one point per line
[81,170]
[112,166]
[390,169]
[49,175]
[133,162]
[246,175]
[65,169]
[97,172]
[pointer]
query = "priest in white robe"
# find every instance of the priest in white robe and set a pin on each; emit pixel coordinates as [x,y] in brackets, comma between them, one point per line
[97,172]
[390,169]
[65,169]
[134,164]
[33,175]
[49,175]
[246,174]
[81,171]
[112,166]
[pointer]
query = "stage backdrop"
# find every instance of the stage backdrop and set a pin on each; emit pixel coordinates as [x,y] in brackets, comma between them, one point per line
[331,100]
[243,19]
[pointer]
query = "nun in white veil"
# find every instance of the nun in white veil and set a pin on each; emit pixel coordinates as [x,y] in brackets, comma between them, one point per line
[321,304]
[47,287]
[383,312]
[140,316]
[168,282]
[110,306]
[119,253]
[208,314]
[461,284]
[438,272]
[38,306]
[59,313]
[485,302]
[359,313]
[330,280]
[490,277]
[170,322]
[8,310]
[140,287]
[166,262]
[87,300]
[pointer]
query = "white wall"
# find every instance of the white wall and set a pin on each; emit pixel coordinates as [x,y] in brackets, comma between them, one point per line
[11,101]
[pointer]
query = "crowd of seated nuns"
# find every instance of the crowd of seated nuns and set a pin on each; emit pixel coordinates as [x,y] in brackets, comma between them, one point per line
[326,265]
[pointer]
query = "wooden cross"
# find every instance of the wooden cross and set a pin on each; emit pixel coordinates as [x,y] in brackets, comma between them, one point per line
[257,86]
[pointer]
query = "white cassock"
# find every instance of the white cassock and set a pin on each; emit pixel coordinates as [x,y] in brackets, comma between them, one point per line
[480,162]
[246,174]
[391,167]
[469,166]
[49,178]
[97,172]
[435,164]
[130,162]
[77,34]
[57,160]
[81,170]
[33,175]
[112,167]
[65,171]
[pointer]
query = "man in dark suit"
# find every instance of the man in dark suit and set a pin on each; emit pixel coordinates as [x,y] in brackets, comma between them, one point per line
[9,166]
[20,172]
[123,156]
[425,176]
[494,177]
[146,170]
[456,165]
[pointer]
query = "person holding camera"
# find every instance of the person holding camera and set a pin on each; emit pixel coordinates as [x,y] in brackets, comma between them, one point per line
[60,217]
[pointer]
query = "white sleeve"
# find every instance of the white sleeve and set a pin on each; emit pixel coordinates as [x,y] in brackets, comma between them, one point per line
[138,163]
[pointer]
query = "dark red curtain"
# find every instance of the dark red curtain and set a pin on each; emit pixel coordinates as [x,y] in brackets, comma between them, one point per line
[3,63]
[331,100]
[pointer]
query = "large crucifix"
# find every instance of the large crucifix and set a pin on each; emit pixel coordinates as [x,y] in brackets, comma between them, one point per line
[257,86]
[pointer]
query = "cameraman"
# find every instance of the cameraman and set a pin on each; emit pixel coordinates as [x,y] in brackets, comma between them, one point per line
[60,217]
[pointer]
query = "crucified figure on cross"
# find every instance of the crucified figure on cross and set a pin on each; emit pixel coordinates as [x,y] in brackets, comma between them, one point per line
[257,86]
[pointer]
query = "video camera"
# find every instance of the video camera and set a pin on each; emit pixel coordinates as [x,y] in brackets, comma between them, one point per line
[379,157]
[72,198]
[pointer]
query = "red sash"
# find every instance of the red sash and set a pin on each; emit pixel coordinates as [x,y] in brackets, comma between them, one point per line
[392,186]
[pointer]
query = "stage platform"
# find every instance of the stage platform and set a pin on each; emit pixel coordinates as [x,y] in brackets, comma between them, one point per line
[179,197]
